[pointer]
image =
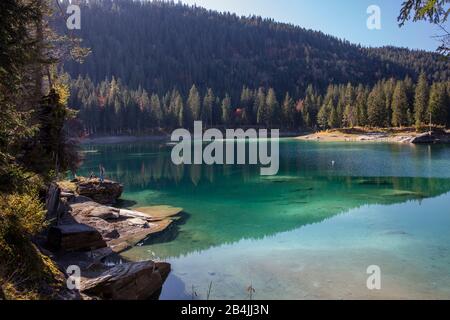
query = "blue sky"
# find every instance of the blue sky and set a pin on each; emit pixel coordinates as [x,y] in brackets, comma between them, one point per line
[341,18]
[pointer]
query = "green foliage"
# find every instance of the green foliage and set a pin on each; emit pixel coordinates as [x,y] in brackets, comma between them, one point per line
[193,103]
[421,114]
[24,271]
[35,141]
[289,112]
[226,110]
[208,107]
[433,11]
[400,106]
[438,105]
[376,107]
[159,45]
[389,102]
[273,109]
[21,216]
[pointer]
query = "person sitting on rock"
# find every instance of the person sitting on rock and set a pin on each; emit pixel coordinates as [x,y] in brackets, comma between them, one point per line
[102,173]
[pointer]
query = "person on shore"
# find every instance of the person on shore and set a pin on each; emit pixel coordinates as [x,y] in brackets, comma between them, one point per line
[91,175]
[102,173]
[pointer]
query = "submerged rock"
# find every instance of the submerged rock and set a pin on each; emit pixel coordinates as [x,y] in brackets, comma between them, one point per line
[129,281]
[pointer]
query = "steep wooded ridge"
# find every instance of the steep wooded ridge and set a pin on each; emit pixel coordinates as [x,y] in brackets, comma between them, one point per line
[162,45]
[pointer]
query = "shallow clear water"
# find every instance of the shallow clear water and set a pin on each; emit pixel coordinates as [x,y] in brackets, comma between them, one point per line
[309,232]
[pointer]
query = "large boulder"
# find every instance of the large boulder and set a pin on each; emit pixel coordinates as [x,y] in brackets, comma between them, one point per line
[129,281]
[106,192]
[75,237]
[425,138]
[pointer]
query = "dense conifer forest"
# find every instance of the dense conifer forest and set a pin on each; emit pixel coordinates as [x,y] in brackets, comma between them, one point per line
[164,64]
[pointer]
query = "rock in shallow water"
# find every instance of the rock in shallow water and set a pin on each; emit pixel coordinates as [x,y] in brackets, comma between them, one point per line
[129,281]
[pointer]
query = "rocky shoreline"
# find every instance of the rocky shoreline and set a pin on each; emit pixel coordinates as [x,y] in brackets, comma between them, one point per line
[400,137]
[85,229]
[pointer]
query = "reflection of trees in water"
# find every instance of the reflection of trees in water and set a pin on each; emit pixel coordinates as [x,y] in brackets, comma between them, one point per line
[309,195]
[145,165]
[217,231]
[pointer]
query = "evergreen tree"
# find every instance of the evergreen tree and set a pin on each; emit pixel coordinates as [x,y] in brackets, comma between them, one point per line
[207,110]
[289,112]
[226,110]
[421,100]
[273,109]
[184,113]
[247,105]
[334,119]
[389,88]
[323,115]
[376,107]
[400,106]
[155,106]
[193,103]
[361,105]
[310,106]
[350,117]
[261,107]
[437,107]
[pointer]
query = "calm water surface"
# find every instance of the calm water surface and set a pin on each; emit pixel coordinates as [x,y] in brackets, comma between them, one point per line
[310,232]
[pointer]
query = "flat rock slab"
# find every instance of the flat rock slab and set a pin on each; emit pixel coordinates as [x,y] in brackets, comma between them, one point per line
[120,228]
[160,212]
[129,281]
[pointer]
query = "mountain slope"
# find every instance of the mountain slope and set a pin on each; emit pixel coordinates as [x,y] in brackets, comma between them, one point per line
[159,45]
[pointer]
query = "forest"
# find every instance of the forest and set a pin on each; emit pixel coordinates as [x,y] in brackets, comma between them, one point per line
[162,65]
[110,108]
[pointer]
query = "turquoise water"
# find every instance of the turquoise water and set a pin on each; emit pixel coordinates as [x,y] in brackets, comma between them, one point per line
[308,233]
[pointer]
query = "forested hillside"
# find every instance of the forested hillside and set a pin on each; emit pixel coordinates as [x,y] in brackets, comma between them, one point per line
[159,64]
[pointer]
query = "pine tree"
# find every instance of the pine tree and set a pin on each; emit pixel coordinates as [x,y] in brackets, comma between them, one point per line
[376,107]
[322,116]
[289,112]
[310,106]
[155,107]
[207,110]
[389,88]
[184,113]
[334,119]
[437,105]
[421,100]
[361,105]
[247,105]
[400,108]
[226,110]
[273,109]
[193,103]
[261,107]
[349,119]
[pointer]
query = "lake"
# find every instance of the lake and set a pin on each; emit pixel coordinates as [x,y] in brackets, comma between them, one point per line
[309,232]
